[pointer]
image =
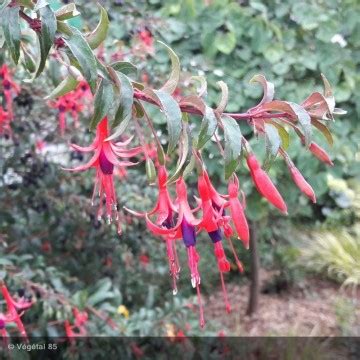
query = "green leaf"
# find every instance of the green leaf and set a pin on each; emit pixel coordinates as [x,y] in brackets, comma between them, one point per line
[202,92]
[125,67]
[267,86]
[11,26]
[173,80]
[67,85]
[273,139]
[150,171]
[304,120]
[172,113]
[232,151]
[40,4]
[224,97]
[225,42]
[124,111]
[104,98]
[99,34]
[208,127]
[184,152]
[84,55]
[324,130]
[29,62]
[284,135]
[46,36]
[66,12]
[209,121]
[328,94]
[4,5]
[189,167]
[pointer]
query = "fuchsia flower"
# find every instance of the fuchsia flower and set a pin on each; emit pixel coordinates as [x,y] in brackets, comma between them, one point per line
[104,159]
[15,309]
[187,225]
[264,184]
[79,326]
[320,153]
[72,103]
[9,87]
[5,128]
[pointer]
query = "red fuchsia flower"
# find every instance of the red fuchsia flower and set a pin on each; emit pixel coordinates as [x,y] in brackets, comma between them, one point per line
[79,326]
[68,103]
[144,260]
[146,37]
[213,207]
[185,229]
[9,87]
[83,93]
[40,145]
[164,211]
[104,159]
[220,203]
[72,103]
[15,309]
[237,212]
[264,184]
[320,153]
[301,183]
[5,128]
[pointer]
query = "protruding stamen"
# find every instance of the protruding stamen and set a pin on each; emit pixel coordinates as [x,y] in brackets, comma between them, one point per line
[238,262]
[201,309]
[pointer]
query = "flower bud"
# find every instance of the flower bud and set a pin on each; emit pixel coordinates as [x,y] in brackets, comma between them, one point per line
[320,153]
[302,184]
[264,184]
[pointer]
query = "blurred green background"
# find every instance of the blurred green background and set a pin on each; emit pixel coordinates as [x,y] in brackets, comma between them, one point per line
[48,233]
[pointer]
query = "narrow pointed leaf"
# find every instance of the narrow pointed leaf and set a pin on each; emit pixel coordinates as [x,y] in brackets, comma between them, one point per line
[99,34]
[66,12]
[209,121]
[124,111]
[202,92]
[232,151]
[224,97]
[324,130]
[125,67]
[328,93]
[268,88]
[84,55]
[104,98]
[284,135]
[273,138]
[46,35]
[172,113]
[185,150]
[208,127]
[11,26]
[173,80]
[67,85]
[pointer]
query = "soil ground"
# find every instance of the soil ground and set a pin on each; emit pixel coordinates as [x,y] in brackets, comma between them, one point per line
[315,307]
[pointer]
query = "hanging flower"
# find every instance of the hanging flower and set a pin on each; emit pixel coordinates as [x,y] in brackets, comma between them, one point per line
[264,184]
[104,159]
[5,128]
[9,87]
[15,309]
[72,103]
[78,329]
